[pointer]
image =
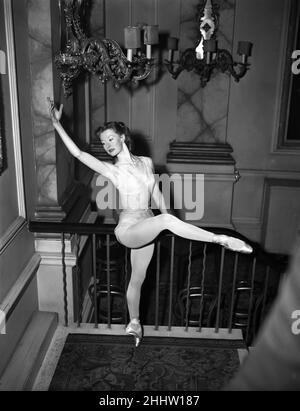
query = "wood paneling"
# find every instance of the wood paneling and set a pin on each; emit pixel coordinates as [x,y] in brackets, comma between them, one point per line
[8,180]
[16,243]
[281,221]
[116,18]
[149,110]
[14,237]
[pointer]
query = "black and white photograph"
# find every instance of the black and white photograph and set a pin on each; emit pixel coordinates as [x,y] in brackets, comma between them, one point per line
[149,198]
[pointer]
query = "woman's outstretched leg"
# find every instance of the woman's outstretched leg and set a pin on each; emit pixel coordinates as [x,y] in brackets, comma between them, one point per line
[140,259]
[147,230]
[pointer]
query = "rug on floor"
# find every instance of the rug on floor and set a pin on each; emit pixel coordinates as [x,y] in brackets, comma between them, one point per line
[91,362]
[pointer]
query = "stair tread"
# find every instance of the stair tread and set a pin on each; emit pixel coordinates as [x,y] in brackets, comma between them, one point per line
[29,353]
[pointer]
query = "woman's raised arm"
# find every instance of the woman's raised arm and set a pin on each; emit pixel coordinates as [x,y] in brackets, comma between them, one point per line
[101,167]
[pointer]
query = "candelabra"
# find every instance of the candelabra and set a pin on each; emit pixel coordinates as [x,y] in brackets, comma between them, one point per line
[207,57]
[103,57]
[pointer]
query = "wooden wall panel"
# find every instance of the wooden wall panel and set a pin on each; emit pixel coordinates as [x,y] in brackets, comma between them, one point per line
[16,243]
[143,99]
[167,87]
[281,222]
[8,183]
[116,18]
[150,109]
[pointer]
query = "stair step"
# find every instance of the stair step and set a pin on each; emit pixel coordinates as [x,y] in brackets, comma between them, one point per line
[24,365]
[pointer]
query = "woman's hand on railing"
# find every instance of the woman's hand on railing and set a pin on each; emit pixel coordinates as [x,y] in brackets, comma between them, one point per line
[55,114]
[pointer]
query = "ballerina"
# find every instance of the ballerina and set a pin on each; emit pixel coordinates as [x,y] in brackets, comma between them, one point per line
[137,227]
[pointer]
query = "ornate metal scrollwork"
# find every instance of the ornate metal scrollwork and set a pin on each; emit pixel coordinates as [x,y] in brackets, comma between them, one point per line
[207,58]
[103,58]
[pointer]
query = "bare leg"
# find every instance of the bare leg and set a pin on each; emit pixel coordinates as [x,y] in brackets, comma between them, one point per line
[140,259]
[146,231]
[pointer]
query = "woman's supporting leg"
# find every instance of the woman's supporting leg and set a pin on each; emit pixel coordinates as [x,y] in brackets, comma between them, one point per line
[140,259]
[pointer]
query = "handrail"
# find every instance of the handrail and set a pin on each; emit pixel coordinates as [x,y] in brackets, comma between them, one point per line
[60,227]
[69,227]
[94,229]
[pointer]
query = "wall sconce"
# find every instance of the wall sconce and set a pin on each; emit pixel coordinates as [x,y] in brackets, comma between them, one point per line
[207,57]
[103,57]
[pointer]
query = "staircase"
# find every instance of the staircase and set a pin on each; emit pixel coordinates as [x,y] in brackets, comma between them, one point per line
[22,369]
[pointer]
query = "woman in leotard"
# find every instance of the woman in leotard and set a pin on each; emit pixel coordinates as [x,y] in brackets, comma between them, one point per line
[137,227]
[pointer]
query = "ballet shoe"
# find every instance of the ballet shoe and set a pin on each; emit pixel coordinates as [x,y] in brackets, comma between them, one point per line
[135,329]
[234,244]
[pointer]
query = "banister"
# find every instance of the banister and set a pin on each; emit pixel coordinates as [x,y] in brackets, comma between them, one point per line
[60,227]
[69,227]
[94,229]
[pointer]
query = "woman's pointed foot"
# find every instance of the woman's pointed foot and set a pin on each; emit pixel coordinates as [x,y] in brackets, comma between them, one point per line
[233,244]
[134,328]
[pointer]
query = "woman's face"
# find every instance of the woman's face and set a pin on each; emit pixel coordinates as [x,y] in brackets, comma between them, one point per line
[112,142]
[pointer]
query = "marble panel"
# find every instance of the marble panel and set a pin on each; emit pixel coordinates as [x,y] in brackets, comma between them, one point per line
[41,71]
[188,83]
[45,149]
[188,114]
[41,125]
[47,187]
[213,97]
[97,89]
[225,33]
[39,21]
[181,98]
[97,120]
[202,112]
[188,10]
[42,87]
[219,129]
[39,51]
[96,21]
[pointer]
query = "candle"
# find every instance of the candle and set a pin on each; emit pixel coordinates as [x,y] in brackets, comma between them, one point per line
[244,48]
[2,62]
[132,37]
[75,45]
[199,50]
[151,34]
[170,55]
[208,57]
[172,43]
[148,51]
[129,54]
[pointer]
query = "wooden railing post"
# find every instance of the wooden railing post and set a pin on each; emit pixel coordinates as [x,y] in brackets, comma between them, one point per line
[95,280]
[157,285]
[220,290]
[218,298]
[187,307]
[171,282]
[202,287]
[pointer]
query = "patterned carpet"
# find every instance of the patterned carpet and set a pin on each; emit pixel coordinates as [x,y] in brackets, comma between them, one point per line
[111,363]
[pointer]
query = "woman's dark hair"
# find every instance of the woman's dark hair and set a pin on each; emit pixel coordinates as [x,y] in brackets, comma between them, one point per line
[119,128]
